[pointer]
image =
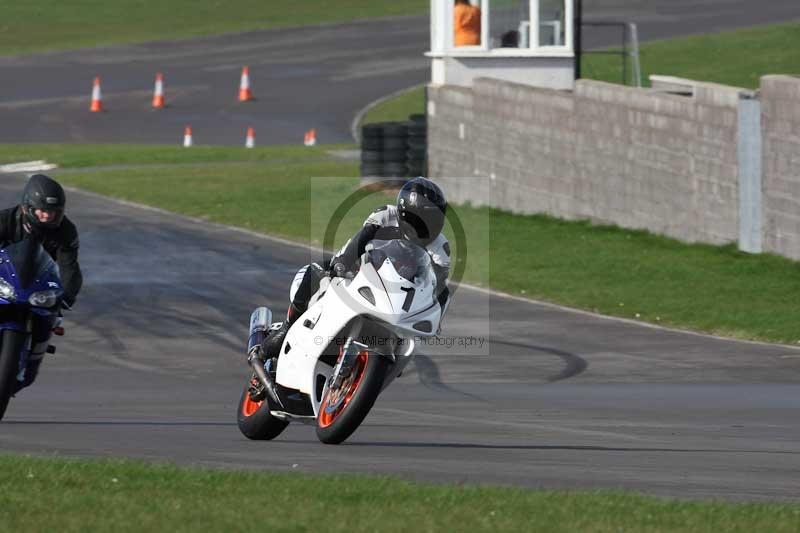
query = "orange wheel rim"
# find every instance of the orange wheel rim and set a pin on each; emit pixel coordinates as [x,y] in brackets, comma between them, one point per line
[333,405]
[249,407]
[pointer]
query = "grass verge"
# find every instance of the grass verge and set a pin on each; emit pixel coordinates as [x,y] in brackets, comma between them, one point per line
[91,155]
[36,25]
[397,108]
[737,58]
[39,494]
[617,272]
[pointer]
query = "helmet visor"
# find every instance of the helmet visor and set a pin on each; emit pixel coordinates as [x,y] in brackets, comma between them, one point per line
[424,224]
[48,217]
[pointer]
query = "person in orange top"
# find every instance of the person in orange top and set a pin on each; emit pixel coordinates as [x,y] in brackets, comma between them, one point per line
[466,23]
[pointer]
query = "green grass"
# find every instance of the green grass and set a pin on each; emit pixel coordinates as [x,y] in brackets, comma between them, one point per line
[86,155]
[737,58]
[35,25]
[632,274]
[397,108]
[39,494]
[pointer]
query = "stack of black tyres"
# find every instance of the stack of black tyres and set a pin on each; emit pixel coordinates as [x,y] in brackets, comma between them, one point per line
[394,150]
[372,150]
[417,155]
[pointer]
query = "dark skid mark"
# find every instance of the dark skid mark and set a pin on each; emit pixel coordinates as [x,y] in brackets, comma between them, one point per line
[112,423]
[573,364]
[545,447]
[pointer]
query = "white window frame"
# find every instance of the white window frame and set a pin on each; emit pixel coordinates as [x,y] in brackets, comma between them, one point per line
[536,24]
[445,44]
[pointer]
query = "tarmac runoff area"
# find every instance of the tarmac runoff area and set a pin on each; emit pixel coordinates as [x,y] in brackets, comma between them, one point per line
[152,366]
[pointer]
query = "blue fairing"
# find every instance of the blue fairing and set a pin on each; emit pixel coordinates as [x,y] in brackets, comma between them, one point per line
[27,268]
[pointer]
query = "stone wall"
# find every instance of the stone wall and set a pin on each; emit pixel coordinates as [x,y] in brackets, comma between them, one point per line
[780,121]
[637,158]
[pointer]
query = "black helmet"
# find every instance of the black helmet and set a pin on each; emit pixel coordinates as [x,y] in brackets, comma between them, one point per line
[421,207]
[43,192]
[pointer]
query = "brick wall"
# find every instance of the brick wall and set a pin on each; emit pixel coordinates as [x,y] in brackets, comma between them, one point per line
[780,121]
[631,157]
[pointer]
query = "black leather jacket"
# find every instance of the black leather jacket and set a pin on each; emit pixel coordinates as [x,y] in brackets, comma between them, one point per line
[61,243]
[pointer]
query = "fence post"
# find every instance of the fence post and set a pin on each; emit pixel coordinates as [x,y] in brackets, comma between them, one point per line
[749,159]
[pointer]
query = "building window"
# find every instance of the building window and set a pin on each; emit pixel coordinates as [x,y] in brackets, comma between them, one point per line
[504,27]
[468,23]
[552,23]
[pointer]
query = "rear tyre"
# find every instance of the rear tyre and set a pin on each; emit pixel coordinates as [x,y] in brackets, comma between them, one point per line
[12,342]
[255,420]
[341,413]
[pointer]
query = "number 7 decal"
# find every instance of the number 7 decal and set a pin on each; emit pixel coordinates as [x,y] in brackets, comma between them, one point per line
[409,297]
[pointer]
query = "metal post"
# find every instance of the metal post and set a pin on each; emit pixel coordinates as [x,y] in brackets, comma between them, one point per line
[637,69]
[749,162]
[578,32]
[624,54]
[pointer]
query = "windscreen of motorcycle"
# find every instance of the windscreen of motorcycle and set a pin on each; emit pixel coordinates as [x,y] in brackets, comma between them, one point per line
[411,261]
[31,262]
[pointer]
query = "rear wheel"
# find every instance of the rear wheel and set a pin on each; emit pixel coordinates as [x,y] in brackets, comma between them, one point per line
[12,342]
[342,411]
[254,418]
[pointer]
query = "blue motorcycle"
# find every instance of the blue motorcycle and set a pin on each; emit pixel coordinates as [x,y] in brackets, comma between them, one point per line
[30,304]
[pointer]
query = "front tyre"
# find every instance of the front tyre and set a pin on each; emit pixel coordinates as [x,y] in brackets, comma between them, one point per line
[255,420]
[342,411]
[12,343]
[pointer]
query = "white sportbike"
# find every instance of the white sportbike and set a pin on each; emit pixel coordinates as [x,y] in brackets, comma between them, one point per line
[355,338]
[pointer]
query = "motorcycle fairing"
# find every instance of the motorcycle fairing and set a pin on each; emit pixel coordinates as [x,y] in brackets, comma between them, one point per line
[300,363]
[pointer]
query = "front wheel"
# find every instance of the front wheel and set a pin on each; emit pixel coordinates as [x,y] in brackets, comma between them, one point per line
[254,418]
[342,411]
[12,342]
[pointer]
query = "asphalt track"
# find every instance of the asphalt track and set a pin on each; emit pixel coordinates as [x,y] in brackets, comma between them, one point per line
[152,367]
[313,77]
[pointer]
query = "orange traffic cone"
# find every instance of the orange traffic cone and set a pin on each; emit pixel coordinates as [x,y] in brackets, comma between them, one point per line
[250,140]
[187,137]
[158,92]
[244,86]
[310,138]
[97,97]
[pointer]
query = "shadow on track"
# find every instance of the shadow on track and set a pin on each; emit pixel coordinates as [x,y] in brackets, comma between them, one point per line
[112,423]
[430,377]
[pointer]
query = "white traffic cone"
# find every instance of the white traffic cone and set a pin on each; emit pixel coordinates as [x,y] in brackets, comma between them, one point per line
[97,97]
[244,86]
[158,92]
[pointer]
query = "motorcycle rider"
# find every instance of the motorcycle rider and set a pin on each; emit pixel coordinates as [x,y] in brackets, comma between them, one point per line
[40,216]
[418,216]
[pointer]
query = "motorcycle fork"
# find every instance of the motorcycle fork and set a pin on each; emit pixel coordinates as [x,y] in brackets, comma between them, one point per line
[24,353]
[344,366]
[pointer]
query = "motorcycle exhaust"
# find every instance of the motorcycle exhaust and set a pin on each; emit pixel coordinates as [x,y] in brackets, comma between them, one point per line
[260,320]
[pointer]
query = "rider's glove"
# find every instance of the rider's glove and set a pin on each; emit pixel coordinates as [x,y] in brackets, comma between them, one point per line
[340,271]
